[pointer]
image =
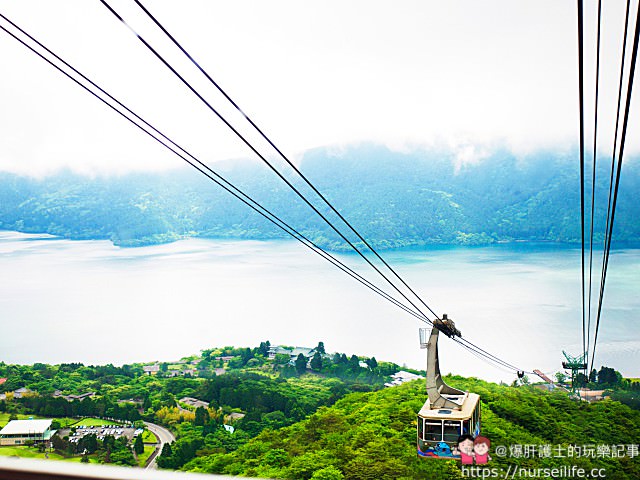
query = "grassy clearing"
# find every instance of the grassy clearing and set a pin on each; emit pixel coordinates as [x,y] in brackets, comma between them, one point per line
[264,370]
[4,418]
[149,437]
[27,452]
[94,422]
[31,452]
[66,422]
[144,456]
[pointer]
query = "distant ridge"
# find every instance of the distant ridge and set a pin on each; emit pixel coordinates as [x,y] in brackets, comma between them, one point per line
[394,199]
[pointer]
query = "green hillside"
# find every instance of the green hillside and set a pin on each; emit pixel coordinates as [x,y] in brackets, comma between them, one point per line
[372,436]
[393,199]
[329,418]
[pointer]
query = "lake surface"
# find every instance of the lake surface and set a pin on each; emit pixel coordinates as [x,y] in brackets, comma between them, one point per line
[91,302]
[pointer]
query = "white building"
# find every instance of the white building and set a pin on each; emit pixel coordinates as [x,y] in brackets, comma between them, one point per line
[401,377]
[151,369]
[293,352]
[18,432]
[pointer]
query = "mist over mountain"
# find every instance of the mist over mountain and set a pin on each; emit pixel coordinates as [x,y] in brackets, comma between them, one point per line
[393,199]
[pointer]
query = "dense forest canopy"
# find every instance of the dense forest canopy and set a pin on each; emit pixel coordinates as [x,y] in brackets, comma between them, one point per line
[328,417]
[261,390]
[393,199]
[372,436]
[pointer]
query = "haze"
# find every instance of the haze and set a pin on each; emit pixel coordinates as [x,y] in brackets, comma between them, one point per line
[468,75]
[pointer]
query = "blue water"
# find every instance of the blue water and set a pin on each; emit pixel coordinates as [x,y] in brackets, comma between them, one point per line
[88,301]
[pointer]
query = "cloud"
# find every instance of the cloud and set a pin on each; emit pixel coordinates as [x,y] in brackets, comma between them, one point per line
[416,74]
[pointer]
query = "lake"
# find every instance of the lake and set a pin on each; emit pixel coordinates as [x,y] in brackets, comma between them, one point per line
[91,302]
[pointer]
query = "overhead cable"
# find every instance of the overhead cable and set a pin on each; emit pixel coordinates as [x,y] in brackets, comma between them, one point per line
[282,155]
[208,172]
[593,179]
[279,174]
[203,71]
[613,159]
[625,122]
[581,108]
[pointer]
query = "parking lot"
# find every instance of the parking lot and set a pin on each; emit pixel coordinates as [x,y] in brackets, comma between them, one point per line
[101,431]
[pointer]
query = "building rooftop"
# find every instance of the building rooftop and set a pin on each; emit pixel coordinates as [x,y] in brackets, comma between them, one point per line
[235,416]
[401,377]
[82,396]
[292,351]
[194,402]
[468,404]
[18,427]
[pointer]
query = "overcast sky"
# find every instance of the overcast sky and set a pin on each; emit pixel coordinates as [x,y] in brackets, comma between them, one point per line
[466,74]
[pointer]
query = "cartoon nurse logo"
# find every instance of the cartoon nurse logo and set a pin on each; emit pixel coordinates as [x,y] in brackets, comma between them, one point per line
[473,450]
[481,450]
[464,448]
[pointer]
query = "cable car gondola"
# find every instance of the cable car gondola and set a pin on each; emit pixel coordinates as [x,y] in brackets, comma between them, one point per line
[448,413]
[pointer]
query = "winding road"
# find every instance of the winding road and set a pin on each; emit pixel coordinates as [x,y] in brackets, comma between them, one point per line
[164,436]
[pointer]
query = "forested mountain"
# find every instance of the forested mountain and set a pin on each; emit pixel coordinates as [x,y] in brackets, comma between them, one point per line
[372,436]
[394,199]
[327,419]
[242,386]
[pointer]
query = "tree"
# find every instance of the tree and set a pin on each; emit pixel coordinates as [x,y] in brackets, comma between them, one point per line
[593,376]
[316,361]
[354,362]
[167,399]
[608,377]
[281,359]
[274,419]
[373,363]
[246,354]
[202,417]
[301,364]
[109,442]
[59,444]
[138,446]
[328,473]
[165,459]
[164,367]
[206,354]
[88,443]
[288,371]
[263,349]
[204,365]
[580,380]
[320,348]
[561,377]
